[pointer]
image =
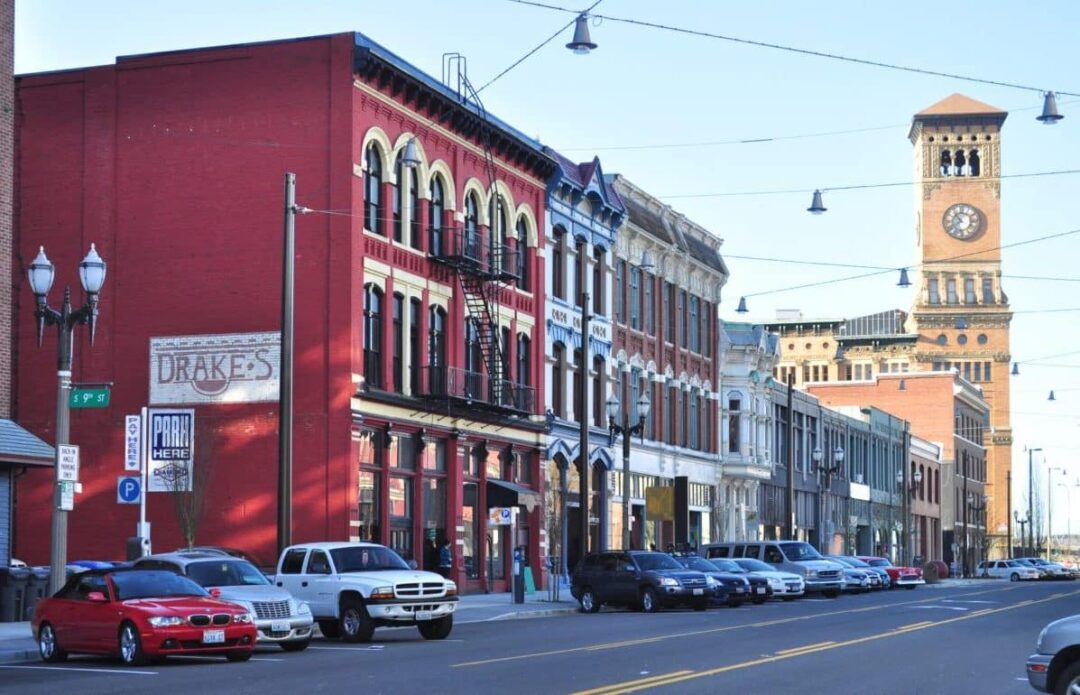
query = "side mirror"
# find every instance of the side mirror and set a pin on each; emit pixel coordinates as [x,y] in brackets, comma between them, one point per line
[215,592]
[412,564]
[630,568]
[96,597]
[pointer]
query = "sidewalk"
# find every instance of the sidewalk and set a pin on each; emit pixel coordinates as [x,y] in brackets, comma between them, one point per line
[17,643]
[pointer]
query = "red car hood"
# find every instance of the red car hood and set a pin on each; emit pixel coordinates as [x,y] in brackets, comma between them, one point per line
[182,605]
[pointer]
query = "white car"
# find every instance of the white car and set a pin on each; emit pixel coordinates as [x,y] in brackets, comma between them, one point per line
[1053,570]
[784,585]
[1008,569]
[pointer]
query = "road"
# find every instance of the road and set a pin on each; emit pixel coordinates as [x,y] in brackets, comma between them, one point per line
[930,640]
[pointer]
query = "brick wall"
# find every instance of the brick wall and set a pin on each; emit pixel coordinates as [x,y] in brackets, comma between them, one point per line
[7,120]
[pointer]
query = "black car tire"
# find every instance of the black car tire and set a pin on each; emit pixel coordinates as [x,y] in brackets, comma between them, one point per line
[700,605]
[436,629]
[589,601]
[831,593]
[1014,577]
[1067,679]
[735,601]
[355,624]
[236,657]
[758,600]
[129,645]
[48,647]
[650,602]
[788,598]
[296,645]
[329,629]
[909,587]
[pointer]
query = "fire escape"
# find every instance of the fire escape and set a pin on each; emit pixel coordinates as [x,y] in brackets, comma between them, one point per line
[481,262]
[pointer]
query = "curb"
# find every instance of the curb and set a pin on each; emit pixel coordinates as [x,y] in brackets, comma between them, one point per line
[523,615]
[16,656]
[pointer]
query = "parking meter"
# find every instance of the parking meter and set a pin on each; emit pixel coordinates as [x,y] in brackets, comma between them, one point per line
[519,575]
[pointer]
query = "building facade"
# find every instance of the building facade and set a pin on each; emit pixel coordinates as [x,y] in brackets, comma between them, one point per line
[419,296]
[945,409]
[925,475]
[584,214]
[668,278]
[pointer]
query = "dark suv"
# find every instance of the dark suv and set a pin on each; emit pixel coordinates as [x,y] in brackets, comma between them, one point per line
[637,578]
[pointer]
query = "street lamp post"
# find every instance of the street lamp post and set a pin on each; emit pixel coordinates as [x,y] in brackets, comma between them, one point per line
[626,430]
[1031,501]
[1050,507]
[92,276]
[907,490]
[1021,522]
[977,503]
[827,472]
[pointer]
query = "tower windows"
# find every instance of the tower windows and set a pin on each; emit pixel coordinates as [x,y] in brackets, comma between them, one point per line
[969,290]
[988,290]
[945,169]
[934,295]
[974,163]
[950,291]
[959,163]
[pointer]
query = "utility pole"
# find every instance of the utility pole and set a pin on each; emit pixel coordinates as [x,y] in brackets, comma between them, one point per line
[285,395]
[789,520]
[1008,514]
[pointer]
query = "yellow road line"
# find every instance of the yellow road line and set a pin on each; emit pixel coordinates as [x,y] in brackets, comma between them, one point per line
[640,681]
[803,648]
[627,643]
[623,688]
[711,631]
[915,625]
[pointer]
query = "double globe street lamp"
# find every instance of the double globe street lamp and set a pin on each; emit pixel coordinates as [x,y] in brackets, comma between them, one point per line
[908,491]
[92,276]
[828,472]
[626,430]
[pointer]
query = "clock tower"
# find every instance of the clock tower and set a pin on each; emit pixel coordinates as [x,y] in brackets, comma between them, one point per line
[961,313]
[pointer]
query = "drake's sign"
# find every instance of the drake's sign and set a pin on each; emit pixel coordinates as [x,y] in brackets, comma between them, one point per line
[224,368]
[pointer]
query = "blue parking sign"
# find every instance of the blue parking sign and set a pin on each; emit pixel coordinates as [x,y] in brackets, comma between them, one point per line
[128,489]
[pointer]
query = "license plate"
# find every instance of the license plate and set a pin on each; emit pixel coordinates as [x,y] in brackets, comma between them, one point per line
[699,592]
[213,637]
[738,590]
[761,590]
[279,626]
[423,615]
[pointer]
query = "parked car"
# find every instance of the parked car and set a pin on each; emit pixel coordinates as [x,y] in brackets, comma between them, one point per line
[797,557]
[1013,570]
[1026,562]
[881,572]
[638,578]
[1051,570]
[223,550]
[785,585]
[16,563]
[352,588]
[856,579]
[279,618]
[907,577]
[140,615]
[729,587]
[1055,665]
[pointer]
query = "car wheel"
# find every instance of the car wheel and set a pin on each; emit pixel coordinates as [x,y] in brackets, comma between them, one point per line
[700,605]
[1014,577]
[831,593]
[734,602]
[650,603]
[297,645]
[130,646]
[589,602]
[436,629]
[909,587]
[329,629]
[48,648]
[238,656]
[355,625]
[788,598]
[758,600]
[1068,682]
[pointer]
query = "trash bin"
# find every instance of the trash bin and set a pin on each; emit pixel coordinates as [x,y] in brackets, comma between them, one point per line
[37,586]
[12,593]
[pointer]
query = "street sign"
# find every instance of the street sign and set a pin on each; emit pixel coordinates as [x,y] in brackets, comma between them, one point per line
[65,497]
[132,443]
[500,516]
[67,463]
[128,489]
[171,447]
[89,397]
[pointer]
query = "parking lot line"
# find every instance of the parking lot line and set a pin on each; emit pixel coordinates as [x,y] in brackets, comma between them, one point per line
[110,671]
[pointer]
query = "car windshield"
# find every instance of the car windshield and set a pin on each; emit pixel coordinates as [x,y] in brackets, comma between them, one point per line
[697,563]
[226,573]
[366,558]
[841,561]
[797,551]
[656,561]
[1016,563]
[727,566]
[854,561]
[754,565]
[154,584]
[879,562]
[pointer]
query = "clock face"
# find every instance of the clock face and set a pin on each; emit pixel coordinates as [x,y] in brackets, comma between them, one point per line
[962,221]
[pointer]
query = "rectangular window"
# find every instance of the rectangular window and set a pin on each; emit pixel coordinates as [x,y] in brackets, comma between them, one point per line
[950,291]
[932,290]
[734,408]
[470,537]
[977,375]
[399,344]
[558,380]
[648,281]
[967,370]
[369,506]
[433,457]
[680,320]
[825,372]
[694,322]
[969,290]
[598,282]
[806,373]
[694,443]
[986,371]
[620,273]
[669,312]
[988,290]
[635,297]
[669,409]
[415,341]
[650,427]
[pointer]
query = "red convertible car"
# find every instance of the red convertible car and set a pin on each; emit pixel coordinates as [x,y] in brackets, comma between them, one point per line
[140,615]
[907,577]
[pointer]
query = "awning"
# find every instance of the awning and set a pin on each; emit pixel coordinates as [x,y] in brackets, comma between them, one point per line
[20,447]
[503,494]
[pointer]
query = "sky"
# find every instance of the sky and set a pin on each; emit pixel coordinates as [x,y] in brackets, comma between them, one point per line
[693,96]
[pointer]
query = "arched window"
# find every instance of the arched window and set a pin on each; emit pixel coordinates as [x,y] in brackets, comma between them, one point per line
[373,297]
[974,165]
[558,263]
[922,482]
[734,425]
[558,379]
[694,442]
[522,255]
[579,385]
[598,401]
[414,209]
[437,350]
[523,359]
[474,360]
[598,280]
[373,189]
[694,324]
[946,163]
[960,165]
[472,227]
[398,338]
[435,217]
[395,195]
[498,232]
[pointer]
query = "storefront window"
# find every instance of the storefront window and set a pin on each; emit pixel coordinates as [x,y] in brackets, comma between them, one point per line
[493,464]
[471,524]
[401,516]
[433,457]
[434,519]
[369,506]
[402,452]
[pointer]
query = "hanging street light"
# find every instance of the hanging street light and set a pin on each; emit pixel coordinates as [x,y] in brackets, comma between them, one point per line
[904,281]
[411,157]
[1016,369]
[816,206]
[582,42]
[1051,398]
[1050,114]
[742,306]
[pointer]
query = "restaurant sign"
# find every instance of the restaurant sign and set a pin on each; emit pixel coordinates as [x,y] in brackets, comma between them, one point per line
[223,368]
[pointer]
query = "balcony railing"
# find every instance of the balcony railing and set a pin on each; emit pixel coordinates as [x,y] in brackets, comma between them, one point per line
[477,389]
[469,251]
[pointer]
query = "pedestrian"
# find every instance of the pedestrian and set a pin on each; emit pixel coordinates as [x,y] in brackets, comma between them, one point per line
[446,558]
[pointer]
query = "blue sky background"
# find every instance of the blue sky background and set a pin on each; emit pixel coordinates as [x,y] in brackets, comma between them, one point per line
[649,87]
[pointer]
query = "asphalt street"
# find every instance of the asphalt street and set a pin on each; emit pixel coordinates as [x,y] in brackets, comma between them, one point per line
[970,639]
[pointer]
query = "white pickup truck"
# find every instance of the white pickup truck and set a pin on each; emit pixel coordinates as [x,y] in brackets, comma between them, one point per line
[352,588]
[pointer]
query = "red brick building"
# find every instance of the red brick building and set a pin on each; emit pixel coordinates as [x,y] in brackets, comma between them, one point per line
[416,404]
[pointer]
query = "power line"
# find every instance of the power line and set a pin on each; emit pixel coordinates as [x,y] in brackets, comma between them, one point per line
[803,51]
[831,264]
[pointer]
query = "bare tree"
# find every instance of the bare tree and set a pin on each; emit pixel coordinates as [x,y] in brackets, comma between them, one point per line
[188,486]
